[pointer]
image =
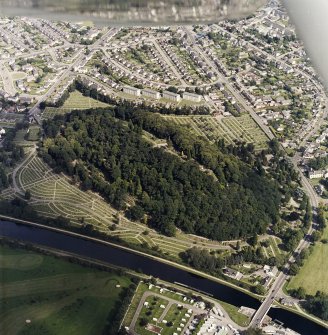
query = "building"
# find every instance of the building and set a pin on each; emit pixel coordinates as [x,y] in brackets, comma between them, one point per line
[271,271]
[314,174]
[151,93]
[192,97]
[132,90]
[171,96]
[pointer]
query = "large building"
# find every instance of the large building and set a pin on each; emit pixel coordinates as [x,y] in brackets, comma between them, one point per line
[132,90]
[171,96]
[313,174]
[151,93]
[192,97]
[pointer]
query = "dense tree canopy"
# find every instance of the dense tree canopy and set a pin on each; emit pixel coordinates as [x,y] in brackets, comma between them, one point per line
[115,159]
[318,305]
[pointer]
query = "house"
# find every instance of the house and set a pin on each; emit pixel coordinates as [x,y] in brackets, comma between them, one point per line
[232,273]
[314,174]
[171,96]
[271,271]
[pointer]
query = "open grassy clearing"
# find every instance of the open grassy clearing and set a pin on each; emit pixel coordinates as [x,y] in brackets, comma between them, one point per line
[33,133]
[235,316]
[76,100]
[231,129]
[53,195]
[56,296]
[273,250]
[313,275]
[17,75]
[22,138]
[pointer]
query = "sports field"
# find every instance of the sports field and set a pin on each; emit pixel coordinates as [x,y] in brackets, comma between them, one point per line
[44,295]
[230,129]
[313,275]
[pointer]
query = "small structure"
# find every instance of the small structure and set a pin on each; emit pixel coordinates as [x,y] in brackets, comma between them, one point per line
[2,132]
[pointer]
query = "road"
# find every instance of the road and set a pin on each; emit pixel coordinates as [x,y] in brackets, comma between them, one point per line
[7,80]
[225,81]
[80,56]
[224,321]
[168,62]
[17,189]
[318,120]
[304,243]
[283,275]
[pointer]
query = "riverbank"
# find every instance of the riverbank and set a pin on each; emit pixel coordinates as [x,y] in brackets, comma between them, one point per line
[40,291]
[130,250]
[105,252]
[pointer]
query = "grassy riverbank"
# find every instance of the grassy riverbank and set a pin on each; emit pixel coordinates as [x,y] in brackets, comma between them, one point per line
[45,295]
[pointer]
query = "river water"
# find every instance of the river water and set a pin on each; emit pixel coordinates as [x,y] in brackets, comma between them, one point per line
[152,267]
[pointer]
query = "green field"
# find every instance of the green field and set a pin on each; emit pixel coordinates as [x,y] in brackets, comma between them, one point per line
[33,133]
[313,275]
[76,100]
[231,129]
[57,297]
[235,316]
[18,75]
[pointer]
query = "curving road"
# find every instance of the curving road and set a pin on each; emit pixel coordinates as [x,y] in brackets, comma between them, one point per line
[304,243]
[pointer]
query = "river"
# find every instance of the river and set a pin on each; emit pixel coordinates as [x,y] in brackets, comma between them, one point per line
[123,258]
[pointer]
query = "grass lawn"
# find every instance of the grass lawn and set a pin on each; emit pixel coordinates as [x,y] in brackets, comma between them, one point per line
[56,296]
[77,100]
[18,75]
[313,275]
[229,128]
[20,138]
[235,316]
[33,134]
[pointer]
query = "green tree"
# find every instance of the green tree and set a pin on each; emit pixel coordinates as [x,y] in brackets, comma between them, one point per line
[294,269]
[28,195]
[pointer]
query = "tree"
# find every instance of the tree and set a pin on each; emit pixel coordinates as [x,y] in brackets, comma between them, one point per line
[316,235]
[143,322]
[294,269]
[28,195]
[259,289]
[300,293]
[144,181]
[318,305]
[253,240]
